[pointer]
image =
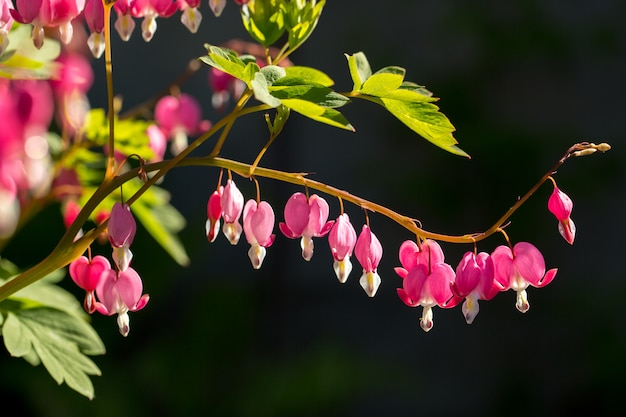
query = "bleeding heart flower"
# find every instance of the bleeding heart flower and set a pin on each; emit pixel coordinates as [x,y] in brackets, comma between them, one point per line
[258,224]
[87,274]
[561,206]
[342,239]
[369,252]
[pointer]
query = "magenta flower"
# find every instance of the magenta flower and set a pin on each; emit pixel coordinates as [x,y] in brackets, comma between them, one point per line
[342,239]
[561,206]
[191,16]
[124,24]
[426,279]
[94,17]
[369,252]
[120,292]
[232,206]
[428,289]
[87,274]
[258,224]
[518,268]
[475,281]
[48,13]
[214,213]
[178,117]
[122,228]
[157,142]
[306,218]
[150,10]
[428,253]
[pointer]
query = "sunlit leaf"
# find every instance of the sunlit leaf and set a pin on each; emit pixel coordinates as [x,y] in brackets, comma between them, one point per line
[22,60]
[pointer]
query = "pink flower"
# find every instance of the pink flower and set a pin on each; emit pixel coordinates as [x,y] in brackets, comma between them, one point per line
[214,213]
[122,228]
[342,239]
[258,224]
[178,117]
[232,206]
[157,142]
[518,268]
[6,21]
[87,274]
[150,10]
[369,252]
[306,218]
[474,281]
[223,85]
[48,13]
[120,292]
[94,17]
[124,24]
[191,16]
[561,206]
[427,279]
[428,253]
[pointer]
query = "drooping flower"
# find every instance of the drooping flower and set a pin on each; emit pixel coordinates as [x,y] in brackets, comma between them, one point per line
[124,24]
[190,16]
[475,281]
[87,274]
[150,10]
[6,21]
[306,218]
[518,268]
[217,6]
[368,252]
[46,14]
[119,293]
[214,213]
[178,117]
[122,228]
[258,224]
[426,279]
[94,17]
[561,206]
[342,239]
[232,206]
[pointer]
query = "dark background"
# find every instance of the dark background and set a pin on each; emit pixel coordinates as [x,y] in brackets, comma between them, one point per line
[521,81]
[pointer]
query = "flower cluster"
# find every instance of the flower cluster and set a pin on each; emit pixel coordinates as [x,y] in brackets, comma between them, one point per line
[427,280]
[112,290]
[61,14]
[306,217]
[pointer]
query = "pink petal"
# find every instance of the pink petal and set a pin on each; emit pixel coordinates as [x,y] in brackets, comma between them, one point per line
[406,299]
[468,275]
[122,226]
[438,283]
[503,266]
[560,204]
[318,216]
[129,287]
[342,238]
[368,249]
[408,254]
[231,202]
[550,275]
[296,215]
[414,282]
[529,262]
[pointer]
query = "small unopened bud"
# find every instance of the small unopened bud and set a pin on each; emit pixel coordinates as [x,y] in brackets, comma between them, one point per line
[584,152]
[603,147]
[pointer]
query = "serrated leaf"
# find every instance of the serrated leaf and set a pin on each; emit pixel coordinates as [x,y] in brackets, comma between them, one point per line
[360,69]
[227,61]
[309,75]
[426,120]
[318,113]
[289,88]
[59,340]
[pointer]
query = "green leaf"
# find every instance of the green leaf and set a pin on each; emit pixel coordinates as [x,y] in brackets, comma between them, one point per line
[264,21]
[290,88]
[23,60]
[260,87]
[226,60]
[301,19]
[318,113]
[161,220]
[360,69]
[58,340]
[426,120]
[383,81]
[309,75]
